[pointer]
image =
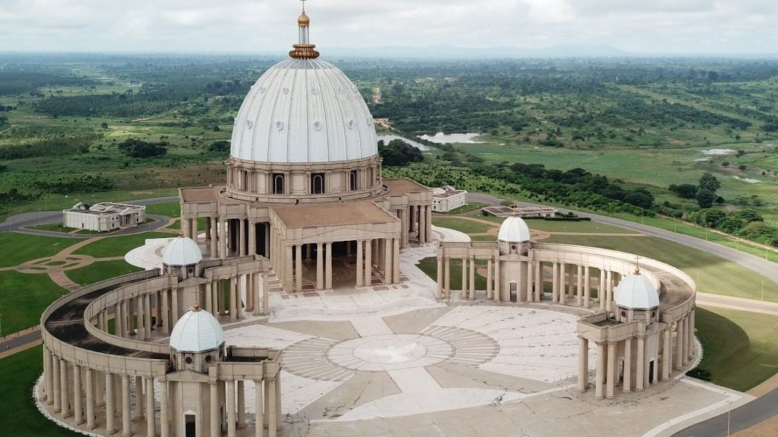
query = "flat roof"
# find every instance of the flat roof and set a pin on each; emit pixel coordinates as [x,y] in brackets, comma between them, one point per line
[331,214]
[200,195]
[401,186]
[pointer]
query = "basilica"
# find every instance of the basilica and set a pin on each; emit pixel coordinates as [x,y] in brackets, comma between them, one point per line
[303,265]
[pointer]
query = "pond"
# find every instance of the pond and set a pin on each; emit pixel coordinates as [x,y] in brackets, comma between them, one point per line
[388,138]
[441,138]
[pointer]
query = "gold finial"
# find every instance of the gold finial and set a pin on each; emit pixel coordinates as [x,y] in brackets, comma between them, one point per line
[304,49]
[196,307]
[515,209]
[181,234]
[637,265]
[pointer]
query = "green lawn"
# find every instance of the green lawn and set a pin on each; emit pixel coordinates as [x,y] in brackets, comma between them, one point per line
[101,271]
[20,417]
[23,297]
[168,209]
[118,246]
[741,348]
[462,225]
[713,274]
[467,208]
[18,248]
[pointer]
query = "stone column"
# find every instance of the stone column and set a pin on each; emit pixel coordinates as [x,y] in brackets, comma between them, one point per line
[89,386]
[530,291]
[328,266]
[148,312]
[447,277]
[221,235]
[174,310]
[231,421]
[139,318]
[601,289]
[583,364]
[554,282]
[126,431]
[57,402]
[472,279]
[78,410]
[272,414]
[194,229]
[539,281]
[609,288]
[265,295]
[439,282]
[562,292]
[627,384]
[267,239]
[213,389]
[587,288]
[320,267]
[252,237]
[49,373]
[404,220]
[368,263]
[463,294]
[110,409]
[213,237]
[241,405]
[298,281]
[396,260]
[691,334]
[289,268]
[259,409]
[489,279]
[164,410]
[63,389]
[678,347]
[243,238]
[685,355]
[150,419]
[667,355]
[428,223]
[422,225]
[579,286]
[599,383]
[360,263]
[640,371]
[497,282]
[234,298]
[388,263]
[164,296]
[139,410]
[611,381]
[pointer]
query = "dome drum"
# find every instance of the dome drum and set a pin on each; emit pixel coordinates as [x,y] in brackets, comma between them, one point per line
[304,182]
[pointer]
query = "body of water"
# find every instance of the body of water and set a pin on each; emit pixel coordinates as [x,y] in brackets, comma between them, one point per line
[441,138]
[388,138]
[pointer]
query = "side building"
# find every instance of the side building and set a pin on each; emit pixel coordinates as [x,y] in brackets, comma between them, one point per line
[103,217]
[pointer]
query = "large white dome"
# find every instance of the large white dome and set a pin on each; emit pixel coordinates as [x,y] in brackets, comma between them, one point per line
[301,111]
[197,331]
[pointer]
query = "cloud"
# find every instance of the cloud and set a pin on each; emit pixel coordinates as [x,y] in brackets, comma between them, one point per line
[268,26]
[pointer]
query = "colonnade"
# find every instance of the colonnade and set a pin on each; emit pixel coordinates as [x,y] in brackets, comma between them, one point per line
[571,284]
[225,237]
[628,363]
[417,224]
[104,400]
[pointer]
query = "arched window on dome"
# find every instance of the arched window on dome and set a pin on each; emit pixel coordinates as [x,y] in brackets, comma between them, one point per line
[353,185]
[278,183]
[317,183]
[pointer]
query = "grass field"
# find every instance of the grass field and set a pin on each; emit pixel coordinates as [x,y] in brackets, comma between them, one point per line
[169,209]
[20,417]
[19,248]
[101,271]
[462,225]
[118,246]
[466,208]
[23,297]
[741,348]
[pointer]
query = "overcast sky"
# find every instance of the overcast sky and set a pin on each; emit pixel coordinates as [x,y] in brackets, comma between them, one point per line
[269,26]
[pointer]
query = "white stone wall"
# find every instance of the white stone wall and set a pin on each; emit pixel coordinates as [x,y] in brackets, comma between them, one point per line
[91,222]
[446,204]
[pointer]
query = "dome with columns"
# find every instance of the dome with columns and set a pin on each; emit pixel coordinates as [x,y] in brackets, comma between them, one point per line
[514,230]
[636,292]
[181,251]
[197,331]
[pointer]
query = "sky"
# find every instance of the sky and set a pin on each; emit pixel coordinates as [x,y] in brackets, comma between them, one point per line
[702,27]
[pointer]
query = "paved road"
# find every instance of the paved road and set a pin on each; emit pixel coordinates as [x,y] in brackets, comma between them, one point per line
[20,341]
[18,222]
[739,419]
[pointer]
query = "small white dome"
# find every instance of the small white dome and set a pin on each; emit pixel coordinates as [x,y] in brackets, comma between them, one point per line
[514,230]
[197,331]
[304,110]
[181,251]
[636,292]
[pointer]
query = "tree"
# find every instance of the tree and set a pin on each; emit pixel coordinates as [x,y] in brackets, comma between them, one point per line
[639,197]
[219,147]
[104,125]
[141,149]
[709,182]
[398,153]
[705,198]
[684,191]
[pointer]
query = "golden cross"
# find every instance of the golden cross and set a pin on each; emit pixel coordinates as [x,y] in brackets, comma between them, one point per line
[303,4]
